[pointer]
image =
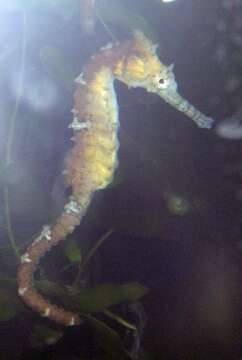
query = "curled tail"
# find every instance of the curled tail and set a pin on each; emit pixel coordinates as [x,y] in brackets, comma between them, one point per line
[49,237]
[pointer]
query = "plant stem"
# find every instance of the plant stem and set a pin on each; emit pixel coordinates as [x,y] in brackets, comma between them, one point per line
[89,256]
[106,27]
[120,320]
[10,140]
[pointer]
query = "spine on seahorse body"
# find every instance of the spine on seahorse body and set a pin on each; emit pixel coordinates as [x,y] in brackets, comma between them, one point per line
[93,158]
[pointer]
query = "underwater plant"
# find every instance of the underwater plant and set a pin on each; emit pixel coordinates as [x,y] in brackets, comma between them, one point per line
[92,161]
[115,13]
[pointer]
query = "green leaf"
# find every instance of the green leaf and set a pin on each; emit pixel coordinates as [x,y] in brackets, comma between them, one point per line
[120,320]
[43,335]
[10,305]
[72,251]
[94,299]
[106,295]
[145,356]
[51,289]
[108,340]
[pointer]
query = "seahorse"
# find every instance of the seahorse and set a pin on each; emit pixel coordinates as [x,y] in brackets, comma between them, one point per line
[93,158]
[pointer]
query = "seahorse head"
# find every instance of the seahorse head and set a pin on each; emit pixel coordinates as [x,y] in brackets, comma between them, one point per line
[142,68]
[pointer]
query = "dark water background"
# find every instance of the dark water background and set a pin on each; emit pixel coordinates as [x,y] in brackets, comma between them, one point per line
[176,205]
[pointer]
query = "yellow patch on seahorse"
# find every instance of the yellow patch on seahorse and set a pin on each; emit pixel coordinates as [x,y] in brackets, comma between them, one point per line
[96,111]
[118,69]
[100,156]
[105,140]
[101,175]
[99,84]
[96,87]
[154,65]
[107,126]
[136,68]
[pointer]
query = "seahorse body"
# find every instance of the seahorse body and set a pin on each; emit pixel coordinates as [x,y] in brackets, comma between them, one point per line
[93,158]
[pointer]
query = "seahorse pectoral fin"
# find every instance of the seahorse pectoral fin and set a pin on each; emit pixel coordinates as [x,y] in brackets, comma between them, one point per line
[173,98]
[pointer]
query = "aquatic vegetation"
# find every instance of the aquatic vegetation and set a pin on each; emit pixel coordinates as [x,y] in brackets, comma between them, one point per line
[115,15]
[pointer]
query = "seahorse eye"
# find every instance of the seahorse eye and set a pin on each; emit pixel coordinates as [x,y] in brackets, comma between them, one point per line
[162,82]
